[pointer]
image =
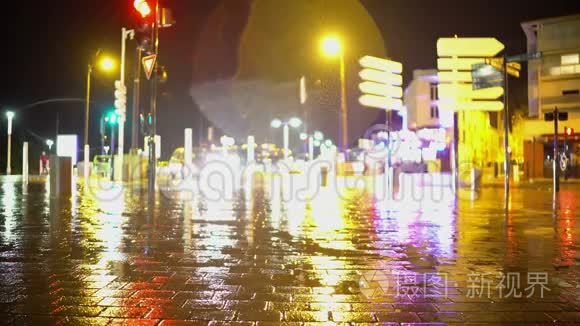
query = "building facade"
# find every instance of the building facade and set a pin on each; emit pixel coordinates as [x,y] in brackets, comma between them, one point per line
[421,101]
[553,82]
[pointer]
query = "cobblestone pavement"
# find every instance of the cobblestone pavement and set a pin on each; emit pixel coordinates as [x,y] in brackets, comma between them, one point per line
[260,260]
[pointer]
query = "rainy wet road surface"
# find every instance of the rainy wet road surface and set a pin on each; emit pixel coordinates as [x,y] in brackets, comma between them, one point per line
[260,259]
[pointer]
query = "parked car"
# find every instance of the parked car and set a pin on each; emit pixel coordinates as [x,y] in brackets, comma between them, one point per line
[102,165]
[176,164]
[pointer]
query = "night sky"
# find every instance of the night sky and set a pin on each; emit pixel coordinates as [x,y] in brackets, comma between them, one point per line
[47,45]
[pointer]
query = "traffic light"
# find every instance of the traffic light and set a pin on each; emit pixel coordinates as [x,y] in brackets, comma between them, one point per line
[112,117]
[569,132]
[120,97]
[143,8]
[142,124]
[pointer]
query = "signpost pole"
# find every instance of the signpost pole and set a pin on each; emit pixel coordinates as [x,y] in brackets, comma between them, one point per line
[506,118]
[555,158]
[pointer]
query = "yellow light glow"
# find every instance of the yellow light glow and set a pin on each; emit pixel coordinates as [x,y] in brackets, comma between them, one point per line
[331,46]
[107,64]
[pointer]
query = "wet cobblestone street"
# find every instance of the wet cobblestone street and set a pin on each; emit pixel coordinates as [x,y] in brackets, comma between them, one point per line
[261,260]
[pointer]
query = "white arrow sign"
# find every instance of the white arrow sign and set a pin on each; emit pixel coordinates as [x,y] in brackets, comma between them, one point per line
[468,46]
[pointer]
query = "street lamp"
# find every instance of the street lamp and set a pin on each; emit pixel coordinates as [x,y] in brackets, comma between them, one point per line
[294,123]
[49,143]
[106,64]
[331,47]
[9,116]
[313,140]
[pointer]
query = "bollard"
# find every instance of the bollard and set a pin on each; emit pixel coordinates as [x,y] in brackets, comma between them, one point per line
[25,162]
[86,164]
[324,176]
[188,147]
[250,150]
[60,177]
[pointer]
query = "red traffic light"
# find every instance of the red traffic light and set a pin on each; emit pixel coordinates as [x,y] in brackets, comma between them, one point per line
[142,6]
[569,131]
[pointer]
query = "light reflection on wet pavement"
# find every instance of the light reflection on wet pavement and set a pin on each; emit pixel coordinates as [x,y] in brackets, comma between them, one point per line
[263,259]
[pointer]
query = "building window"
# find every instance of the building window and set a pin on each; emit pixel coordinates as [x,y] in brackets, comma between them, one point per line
[434,112]
[434,92]
[569,64]
[570,59]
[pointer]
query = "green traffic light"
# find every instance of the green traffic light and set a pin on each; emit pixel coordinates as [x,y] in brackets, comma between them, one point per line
[112,117]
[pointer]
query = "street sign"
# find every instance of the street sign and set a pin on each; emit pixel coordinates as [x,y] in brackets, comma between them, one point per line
[524,57]
[450,91]
[491,106]
[515,65]
[381,85]
[486,76]
[458,63]
[513,68]
[468,47]
[461,87]
[381,64]
[381,102]
[369,87]
[149,64]
[562,116]
[381,77]
[455,76]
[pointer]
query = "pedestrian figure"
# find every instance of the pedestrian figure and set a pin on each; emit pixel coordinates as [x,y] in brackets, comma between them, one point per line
[43,163]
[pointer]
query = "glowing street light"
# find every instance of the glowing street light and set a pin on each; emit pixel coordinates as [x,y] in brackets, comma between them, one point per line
[276,123]
[49,143]
[332,47]
[313,139]
[294,123]
[106,64]
[9,116]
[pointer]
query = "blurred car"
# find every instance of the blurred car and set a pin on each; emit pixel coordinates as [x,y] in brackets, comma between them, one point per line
[176,164]
[102,165]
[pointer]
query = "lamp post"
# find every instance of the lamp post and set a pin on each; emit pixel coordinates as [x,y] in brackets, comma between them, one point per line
[9,116]
[105,64]
[294,123]
[122,108]
[317,136]
[49,143]
[331,47]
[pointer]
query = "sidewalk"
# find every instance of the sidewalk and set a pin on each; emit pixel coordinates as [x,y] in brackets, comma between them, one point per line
[499,182]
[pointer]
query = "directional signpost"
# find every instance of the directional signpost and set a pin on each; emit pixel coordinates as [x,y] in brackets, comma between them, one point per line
[382,89]
[457,56]
[382,83]
[460,91]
